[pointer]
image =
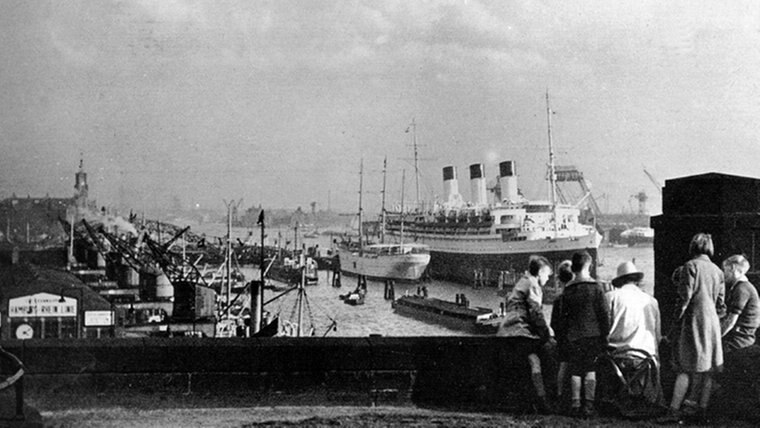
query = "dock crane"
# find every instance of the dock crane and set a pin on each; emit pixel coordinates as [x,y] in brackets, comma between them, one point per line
[570,174]
[642,198]
[653,180]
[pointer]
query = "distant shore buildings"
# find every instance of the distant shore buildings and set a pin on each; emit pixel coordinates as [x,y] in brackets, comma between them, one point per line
[34,221]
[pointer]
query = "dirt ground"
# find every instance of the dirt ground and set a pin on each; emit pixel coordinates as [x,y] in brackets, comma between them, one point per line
[319,416]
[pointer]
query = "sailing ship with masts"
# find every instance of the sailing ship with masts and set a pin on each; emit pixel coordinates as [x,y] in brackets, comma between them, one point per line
[467,240]
[384,261]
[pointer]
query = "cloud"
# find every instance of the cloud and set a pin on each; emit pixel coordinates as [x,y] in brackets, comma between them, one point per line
[78,54]
[177,11]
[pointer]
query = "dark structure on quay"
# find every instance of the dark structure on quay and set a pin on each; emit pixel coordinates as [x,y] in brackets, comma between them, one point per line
[728,208]
[725,206]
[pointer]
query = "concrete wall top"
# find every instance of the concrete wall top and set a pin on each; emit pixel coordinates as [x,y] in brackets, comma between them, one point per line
[711,193]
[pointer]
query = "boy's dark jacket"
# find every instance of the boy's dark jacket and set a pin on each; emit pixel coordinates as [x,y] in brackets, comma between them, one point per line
[579,312]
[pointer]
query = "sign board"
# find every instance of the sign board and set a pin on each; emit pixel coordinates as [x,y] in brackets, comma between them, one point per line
[42,305]
[24,331]
[98,318]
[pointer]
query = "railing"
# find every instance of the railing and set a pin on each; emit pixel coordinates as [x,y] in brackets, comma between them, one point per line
[16,379]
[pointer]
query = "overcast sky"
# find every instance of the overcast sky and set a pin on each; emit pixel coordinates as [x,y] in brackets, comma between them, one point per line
[277,102]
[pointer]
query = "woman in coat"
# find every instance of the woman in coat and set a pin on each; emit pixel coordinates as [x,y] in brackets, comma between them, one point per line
[701,291]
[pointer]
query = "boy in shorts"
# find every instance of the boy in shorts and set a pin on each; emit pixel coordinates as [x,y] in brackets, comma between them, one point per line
[580,319]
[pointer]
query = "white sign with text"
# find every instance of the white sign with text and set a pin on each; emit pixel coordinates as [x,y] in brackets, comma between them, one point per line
[98,318]
[42,305]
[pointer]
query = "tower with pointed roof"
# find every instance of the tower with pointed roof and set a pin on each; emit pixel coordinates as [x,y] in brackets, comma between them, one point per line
[80,186]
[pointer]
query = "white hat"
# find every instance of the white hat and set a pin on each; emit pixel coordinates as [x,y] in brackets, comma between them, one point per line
[627,272]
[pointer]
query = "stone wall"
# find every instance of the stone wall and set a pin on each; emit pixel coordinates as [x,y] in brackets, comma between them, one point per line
[461,372]
[486,372]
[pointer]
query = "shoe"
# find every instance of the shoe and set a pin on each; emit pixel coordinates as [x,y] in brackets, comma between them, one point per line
[671,417]
[575,412]
[543,407]
[588,410]
[689,408]
[698,417]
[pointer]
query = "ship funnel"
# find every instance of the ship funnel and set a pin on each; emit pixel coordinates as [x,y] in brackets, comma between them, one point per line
[508,181]
[478,193]
[450,183]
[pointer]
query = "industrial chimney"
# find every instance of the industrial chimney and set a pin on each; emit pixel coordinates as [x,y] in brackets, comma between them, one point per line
[508,181]
[478,184]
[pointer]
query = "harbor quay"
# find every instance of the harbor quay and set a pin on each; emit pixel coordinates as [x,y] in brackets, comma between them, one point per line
[477,372]
[463,375]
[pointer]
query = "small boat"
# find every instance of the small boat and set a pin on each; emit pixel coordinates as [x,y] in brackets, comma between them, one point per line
[454,315]
[289,271]
[312,234]
[637,235]
[354,298]
[218,280]
[325,258]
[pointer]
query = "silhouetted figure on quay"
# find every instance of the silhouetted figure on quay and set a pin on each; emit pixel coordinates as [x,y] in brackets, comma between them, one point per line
[698,348]
[525,320]
[580,320]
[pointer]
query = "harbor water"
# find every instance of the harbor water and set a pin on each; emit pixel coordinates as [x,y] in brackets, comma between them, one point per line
[324,309]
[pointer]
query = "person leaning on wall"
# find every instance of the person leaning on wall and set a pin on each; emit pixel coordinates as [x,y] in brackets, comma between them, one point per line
[524,319]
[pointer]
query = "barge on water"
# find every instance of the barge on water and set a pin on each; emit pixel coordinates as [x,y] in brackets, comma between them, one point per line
[454,315]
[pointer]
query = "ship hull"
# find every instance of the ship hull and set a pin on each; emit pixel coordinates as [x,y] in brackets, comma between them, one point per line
[459,260]
[407,267]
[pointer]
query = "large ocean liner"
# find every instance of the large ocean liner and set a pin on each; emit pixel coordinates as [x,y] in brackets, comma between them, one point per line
[468,241]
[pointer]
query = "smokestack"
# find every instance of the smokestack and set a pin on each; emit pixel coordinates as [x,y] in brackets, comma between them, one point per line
[508,181]
[450,183]
[478,184]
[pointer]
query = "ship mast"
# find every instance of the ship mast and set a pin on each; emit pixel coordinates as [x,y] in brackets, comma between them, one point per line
[552,171]
[382,208]
[401,237]
[361,184]
[416,163]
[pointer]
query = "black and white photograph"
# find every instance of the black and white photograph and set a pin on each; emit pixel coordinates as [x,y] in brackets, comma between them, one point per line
[425,213]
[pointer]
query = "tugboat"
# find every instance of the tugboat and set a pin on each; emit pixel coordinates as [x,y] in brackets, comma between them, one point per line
[288,270]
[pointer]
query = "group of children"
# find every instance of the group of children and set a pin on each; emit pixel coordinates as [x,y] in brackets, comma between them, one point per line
[580,322]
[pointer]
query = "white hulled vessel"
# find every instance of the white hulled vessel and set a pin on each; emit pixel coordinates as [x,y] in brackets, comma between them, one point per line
[397,261]
[468,239]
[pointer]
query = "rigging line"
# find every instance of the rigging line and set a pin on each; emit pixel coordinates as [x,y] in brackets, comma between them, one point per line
[308,309]
[324,311]
[280,295]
